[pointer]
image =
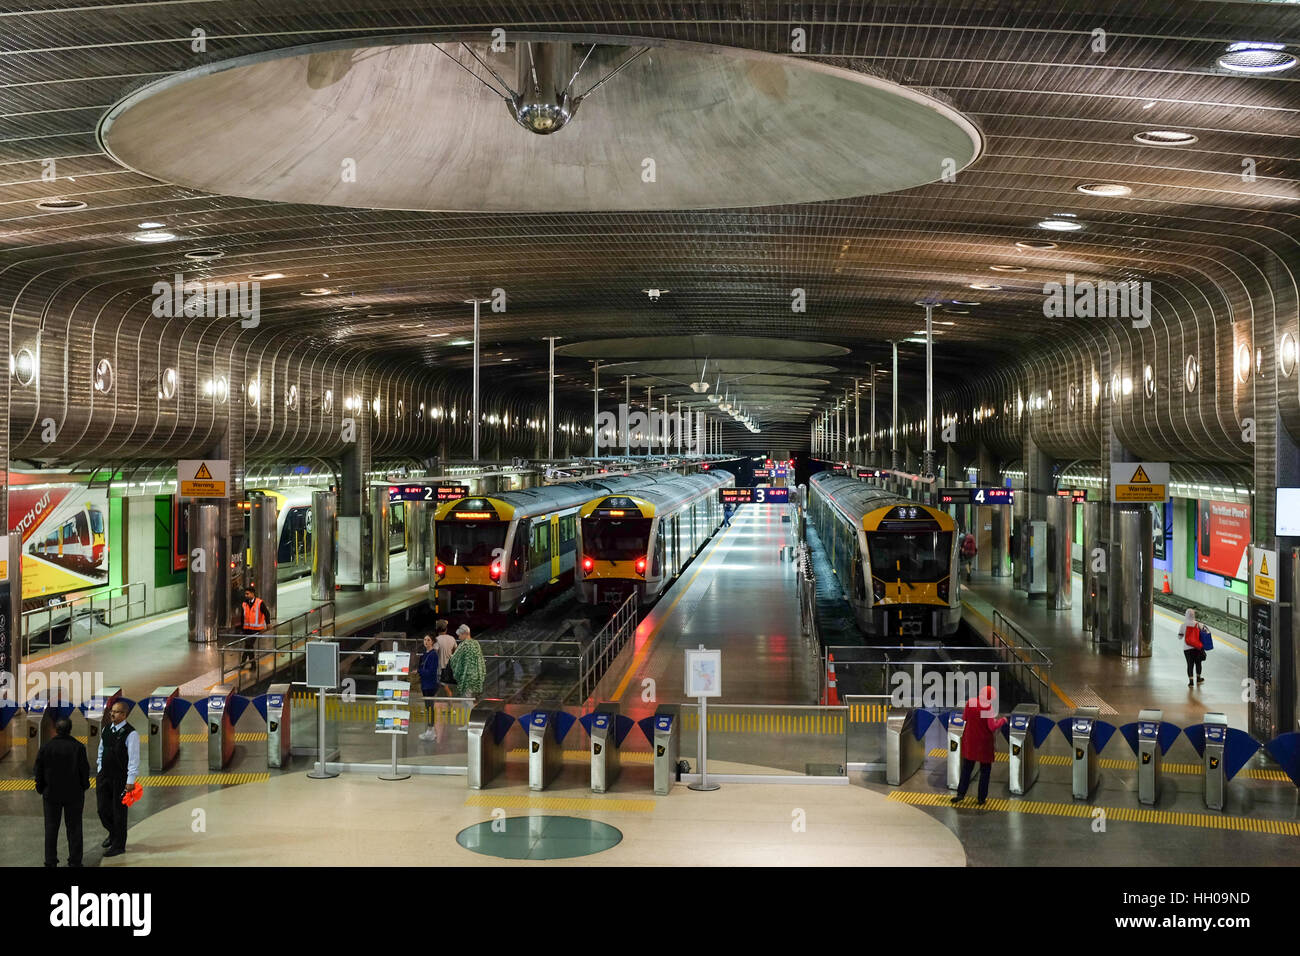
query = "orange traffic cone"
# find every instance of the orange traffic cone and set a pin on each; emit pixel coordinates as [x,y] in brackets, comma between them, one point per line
[1165,588]
[832,696]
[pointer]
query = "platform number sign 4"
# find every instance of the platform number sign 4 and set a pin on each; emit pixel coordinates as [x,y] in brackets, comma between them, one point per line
[979,497]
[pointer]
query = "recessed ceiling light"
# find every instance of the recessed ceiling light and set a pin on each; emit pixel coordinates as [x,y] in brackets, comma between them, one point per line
[1007,268]
[461,342]
[1148,104]
[987,286]
[1060,225]
[507,360]
[258,276]
[1104,189]
[957,311]
[945,323]
[320,291]
[149,225]
[1038,244]
[438,335]
[963,302]
[60,205]
[402,325]
[389,315]
[1164,137]
[154,236]
[203,255]
[1257,58]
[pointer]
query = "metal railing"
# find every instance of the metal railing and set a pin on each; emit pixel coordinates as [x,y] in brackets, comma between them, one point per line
[75,620]
[530,667]
[1029,663]
[600,654]
[1241,605]
[275,648]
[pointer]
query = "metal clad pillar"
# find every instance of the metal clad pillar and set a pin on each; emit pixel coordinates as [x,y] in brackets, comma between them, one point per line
[1131,580]
[379,527]
[857,419]
[893,422]
[627,414]
[324,518]
[1000,520]
[872,460]
[204,584]
[264,544]
[550,410]
[595,408]
[1060,538]
[1091,541]
[475,303]
[928,465]
[417,535]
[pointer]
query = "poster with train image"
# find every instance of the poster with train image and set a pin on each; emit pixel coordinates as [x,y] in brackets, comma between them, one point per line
[64,530]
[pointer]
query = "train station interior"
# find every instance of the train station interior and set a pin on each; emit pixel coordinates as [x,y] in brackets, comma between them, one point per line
[841,435]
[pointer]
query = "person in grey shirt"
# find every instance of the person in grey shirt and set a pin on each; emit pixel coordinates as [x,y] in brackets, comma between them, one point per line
[115,772]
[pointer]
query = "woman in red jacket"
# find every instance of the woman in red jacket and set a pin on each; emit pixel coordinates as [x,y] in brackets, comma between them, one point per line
[977,742]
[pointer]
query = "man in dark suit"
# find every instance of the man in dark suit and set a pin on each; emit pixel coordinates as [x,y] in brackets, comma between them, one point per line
[116,768]
[62,779]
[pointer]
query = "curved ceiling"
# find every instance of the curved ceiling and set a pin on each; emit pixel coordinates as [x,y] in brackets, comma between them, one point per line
[1056,111]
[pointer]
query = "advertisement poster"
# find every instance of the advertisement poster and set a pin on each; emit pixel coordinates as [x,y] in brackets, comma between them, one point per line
[64,532]
[1222,535]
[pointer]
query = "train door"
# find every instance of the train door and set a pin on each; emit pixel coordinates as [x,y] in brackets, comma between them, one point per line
[676,544]
[554,527]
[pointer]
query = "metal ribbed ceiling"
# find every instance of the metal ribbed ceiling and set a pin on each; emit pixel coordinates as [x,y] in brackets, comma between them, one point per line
[1054,110]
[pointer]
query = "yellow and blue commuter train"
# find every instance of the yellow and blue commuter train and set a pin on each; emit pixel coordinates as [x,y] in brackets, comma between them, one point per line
[499,554]
[639,541]
[894,558]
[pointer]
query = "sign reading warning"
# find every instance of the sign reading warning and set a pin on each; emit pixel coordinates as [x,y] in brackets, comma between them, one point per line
[202,478]
[1264,573]
[1133,481]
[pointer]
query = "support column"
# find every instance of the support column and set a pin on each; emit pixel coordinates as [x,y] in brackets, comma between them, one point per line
[353,556]
[595,408]
[872,460]
[550,403]
[476,303]
[927,465]
[857,420]
[893,422]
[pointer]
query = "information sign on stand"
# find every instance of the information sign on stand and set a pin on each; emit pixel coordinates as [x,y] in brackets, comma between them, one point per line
[323,675]
[703,680]
[394,695]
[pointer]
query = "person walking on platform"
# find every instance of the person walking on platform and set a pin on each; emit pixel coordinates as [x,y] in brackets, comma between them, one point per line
[429,686]
[977,742]
[62,779]
[467,664]
[726,516]
[255,623]
[968,551]
[446,648]
[1194,650]
[115,772]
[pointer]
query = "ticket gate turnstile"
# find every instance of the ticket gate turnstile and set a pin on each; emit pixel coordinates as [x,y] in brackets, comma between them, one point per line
[545,748]
[1022,757]
[605,749]
[8,711]
[1216,742]
[221,728]
[278,721]
[42,712]
[667,746]
[1084,767]
[1150,755]
[956,727]
[164,731]
[485,754]
[96,712]
[904,753]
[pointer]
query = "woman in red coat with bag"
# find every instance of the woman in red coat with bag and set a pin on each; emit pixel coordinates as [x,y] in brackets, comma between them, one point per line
[1195,650]
[977,742]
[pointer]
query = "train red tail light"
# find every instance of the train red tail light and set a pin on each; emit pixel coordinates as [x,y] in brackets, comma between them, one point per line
[440,569]
[588,564]
[640,565]
[494,571]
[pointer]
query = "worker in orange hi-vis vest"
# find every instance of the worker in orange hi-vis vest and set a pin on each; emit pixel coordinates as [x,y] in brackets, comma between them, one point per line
[255,622]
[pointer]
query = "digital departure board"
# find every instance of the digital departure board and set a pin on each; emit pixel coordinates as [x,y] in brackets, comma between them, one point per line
[975,496]
[869,472]
[1078,494]
[753,496]
[427,492]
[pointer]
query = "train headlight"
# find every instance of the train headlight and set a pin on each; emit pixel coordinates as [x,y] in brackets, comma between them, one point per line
[640,565]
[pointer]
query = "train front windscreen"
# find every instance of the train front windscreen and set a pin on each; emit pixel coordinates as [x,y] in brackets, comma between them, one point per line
[465,542]
[615,539]
[919,557]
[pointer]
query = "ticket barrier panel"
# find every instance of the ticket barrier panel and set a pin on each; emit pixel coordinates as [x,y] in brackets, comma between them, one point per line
[1150,737]
[164,728]
[956,726]
[905,729]
[485,751]
[1083,733]
[1022,758]
[1216,745]
[664,731]
[42,712]
[547,727]
[279,719]
[221,726]
[96,711]
[607,727]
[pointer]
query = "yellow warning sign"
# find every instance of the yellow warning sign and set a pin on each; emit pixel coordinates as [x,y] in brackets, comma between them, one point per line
[1140,492]
[1135,481]
[202,478]
[1140,475]
[1263,566]
[1264,581]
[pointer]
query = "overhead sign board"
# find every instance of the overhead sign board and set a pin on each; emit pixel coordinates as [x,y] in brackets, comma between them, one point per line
[755,496]
[1133,481]
[203,477]
[1263,573]
[976,496]
[761,473]
[427,492]
[869,472]
[1078,494]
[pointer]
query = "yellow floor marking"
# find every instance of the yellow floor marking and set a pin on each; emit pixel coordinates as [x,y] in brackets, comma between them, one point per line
[1051,683]
[239,737]
[643,652]
[175,780]
[1106,763]
[1212,821]
[520,802]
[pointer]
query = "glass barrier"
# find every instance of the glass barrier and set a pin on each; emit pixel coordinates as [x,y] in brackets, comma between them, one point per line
[768,740]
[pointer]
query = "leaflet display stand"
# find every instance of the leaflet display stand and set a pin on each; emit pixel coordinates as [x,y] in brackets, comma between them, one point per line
[392,716]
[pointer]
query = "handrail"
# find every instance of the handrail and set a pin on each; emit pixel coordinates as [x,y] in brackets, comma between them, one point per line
[132,597]
[1009,638]
[605,648]
[287,640]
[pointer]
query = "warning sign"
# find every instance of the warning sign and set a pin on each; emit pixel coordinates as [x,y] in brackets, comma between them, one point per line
[1264,574]
[1134,481]
[202,478]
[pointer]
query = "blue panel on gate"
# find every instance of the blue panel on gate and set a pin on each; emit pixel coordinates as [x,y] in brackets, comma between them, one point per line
[1240,748]
[501,724]
[177,711]
[7,711]
[1285,749]
[1043,727]
[1101,734]
[564,721]
[1196,734]
[259,704]
[1130,733]
[924,718]
[237,707]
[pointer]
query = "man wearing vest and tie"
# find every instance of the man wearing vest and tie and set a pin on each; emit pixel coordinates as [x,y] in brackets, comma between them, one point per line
[115,773]
[255,623]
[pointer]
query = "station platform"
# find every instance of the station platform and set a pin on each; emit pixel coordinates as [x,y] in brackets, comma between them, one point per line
[154,651]
[1085,674]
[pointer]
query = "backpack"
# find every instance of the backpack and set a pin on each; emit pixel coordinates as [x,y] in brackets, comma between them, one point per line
[1207,640]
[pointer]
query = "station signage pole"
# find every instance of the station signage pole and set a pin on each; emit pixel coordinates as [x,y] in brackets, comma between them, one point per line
[893,422]
[873,414]
[595,408]
[550,404]
[703,680]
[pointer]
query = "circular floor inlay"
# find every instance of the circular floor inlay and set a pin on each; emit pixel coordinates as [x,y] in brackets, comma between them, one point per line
[539,837]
